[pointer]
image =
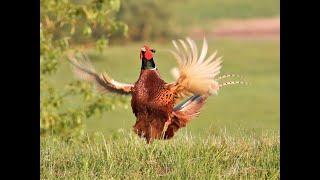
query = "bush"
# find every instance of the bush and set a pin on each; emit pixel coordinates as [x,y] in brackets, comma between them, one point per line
[146,19]
[62,22]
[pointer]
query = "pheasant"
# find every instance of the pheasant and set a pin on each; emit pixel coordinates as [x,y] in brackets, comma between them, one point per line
[159,106]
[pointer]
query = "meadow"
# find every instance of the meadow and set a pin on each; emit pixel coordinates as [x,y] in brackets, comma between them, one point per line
[236,135]
[185,157]
[202,13]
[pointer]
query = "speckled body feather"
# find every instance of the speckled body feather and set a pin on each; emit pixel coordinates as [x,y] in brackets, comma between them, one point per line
[152,103]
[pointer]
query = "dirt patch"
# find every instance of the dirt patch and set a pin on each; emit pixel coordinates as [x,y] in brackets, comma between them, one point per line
[247,28]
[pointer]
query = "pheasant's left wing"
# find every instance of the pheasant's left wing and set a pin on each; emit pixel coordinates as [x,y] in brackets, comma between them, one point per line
[85,71]
[195,75]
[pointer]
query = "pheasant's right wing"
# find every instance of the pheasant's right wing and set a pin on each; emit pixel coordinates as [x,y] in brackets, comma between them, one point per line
[85,71]
[195,74]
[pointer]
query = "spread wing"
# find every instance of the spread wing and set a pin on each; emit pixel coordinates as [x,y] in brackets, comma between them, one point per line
[85,71]
[195,74]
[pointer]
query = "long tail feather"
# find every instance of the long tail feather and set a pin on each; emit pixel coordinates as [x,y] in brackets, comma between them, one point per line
[183,113]
[189,108]
[232,83]
[227,76]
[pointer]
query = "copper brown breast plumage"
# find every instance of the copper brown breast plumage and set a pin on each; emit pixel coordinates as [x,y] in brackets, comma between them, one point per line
[154,102]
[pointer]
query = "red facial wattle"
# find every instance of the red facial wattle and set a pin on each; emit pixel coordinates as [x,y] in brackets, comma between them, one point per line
[148,54]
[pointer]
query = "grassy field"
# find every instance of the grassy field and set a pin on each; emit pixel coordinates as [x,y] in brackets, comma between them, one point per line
[253,108]
[127,157]
[201,12]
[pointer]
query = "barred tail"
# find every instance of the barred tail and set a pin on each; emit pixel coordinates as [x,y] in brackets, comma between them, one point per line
[232,83]
[227,76]
[183,113]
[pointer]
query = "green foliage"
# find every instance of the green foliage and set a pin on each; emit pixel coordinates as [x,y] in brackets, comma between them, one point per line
[147,19]
[62,22]
[125,156]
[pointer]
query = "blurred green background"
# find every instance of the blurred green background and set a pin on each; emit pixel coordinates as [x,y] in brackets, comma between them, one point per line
[237,109]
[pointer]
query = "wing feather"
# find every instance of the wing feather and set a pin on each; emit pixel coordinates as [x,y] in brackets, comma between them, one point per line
[194,49]
[203,51]
[84,70]
[196,74]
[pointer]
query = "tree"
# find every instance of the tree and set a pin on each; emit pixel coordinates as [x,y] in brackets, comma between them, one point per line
[63,23]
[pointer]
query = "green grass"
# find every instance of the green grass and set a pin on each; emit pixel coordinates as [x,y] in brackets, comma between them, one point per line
[254,108]
[200,12]
[127,157]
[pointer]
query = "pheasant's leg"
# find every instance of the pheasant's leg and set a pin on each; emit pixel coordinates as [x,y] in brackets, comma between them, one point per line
[165,127]
[167,123]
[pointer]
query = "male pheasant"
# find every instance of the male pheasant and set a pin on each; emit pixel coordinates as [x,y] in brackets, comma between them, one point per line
[155,102]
